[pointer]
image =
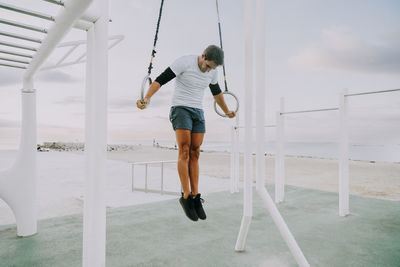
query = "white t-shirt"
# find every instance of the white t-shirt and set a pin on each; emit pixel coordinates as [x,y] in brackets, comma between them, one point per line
[190,82]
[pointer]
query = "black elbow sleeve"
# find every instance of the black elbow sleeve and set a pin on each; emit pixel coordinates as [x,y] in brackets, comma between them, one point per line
[215,90]
[165,77]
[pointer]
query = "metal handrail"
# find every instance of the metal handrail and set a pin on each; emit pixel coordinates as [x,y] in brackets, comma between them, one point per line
[146,189]
[265,126]
[373,92]
[306,111]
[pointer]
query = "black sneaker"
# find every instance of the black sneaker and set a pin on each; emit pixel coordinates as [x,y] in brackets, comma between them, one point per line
[199,207]
[188,207]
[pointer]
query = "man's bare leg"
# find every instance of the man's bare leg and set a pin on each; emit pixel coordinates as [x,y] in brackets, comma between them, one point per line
[196,141]
[183,138]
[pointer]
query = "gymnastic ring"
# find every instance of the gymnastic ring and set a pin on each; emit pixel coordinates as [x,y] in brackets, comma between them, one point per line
[146,80]
[237,104]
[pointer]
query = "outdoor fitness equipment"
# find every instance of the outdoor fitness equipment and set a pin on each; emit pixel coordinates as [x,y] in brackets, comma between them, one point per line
[226,92]
[147,81]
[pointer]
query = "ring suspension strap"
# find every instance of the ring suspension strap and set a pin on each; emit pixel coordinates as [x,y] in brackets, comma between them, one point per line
[147,79]
[226,92]
[220,42]
[153,53]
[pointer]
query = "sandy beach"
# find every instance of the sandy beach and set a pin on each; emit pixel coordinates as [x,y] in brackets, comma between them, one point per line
[61,177]
[378,179]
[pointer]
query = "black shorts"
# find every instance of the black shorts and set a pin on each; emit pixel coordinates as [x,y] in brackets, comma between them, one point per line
[187,118]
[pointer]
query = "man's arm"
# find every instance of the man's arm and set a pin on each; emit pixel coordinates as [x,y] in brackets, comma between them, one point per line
[221,102]
[219,98]
[162,79]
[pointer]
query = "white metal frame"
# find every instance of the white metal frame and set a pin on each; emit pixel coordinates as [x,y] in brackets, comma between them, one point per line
[115,39]
[344,206]
[146,188]
[18,183]
[343,177]
[280,154]
[260,111]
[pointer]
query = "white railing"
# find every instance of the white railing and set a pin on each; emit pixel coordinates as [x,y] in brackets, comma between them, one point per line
[343,177]
[146,188]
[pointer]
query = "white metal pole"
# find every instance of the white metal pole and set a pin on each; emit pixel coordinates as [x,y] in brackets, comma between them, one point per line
[94,250]
[88,210]
[260,92]
[233,155]
[248,177]
[283,229]
[280,154]
[344,157]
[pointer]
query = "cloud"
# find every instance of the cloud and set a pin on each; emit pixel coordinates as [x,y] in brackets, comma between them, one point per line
[339,50]
[56,76]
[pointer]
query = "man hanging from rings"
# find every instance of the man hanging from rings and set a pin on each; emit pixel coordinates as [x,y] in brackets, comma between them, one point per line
[193,74]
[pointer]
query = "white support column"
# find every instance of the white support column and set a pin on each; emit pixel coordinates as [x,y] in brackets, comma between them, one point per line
[343,157]
[260,93]
[248,174]
[260,113]
[237,155]
[280,154]
[94,228]
[18,184]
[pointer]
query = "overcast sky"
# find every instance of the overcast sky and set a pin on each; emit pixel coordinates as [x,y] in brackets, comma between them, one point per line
[314,50]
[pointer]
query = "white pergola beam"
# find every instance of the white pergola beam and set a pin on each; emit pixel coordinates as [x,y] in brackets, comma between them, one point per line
[12,66]
[22,37]
[15,53]
[63,23]
[14,60]
[18,46]
[26,11]
[22,25]
[57,2]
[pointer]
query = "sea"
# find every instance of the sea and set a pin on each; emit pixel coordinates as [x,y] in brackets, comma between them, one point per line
[324,150]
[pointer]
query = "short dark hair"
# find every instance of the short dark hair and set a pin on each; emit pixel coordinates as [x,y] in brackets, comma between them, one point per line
[214,53]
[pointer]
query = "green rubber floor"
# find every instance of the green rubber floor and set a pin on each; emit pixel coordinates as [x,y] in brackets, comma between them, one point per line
[159,234]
